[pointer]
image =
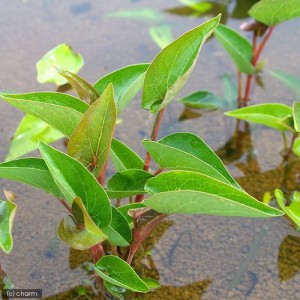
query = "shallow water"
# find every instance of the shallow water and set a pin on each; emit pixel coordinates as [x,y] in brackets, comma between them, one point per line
[195,256]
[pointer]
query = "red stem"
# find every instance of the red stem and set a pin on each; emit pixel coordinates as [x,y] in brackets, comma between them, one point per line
[142,235]
[97,252]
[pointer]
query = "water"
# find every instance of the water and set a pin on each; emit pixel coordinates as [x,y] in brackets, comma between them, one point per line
[193,256]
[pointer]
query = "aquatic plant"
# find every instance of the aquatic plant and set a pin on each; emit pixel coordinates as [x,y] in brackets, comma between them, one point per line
[108,217]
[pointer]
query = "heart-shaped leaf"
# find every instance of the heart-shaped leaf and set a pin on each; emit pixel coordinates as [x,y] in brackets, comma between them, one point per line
[171,68]
[269,114]
[75,236]
[187,192]
[61,56]
[118,272]
[31,171]
[61,111]
[118,231]
[237,46]
[7,215]
[90,141]
[186,151]
[74,180]
[273,12]
[123,157]
[127,183]
[126,82]
[84,90]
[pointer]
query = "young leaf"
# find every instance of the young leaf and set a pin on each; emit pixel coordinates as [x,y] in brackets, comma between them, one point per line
[90,141]
[145,15]
[7,215]
[269,114]
[293,210]
[123,157]
[296,115]
[74,180]
[126,82]
[204,99]
[31,171]
[29,132]
[290,80]
[61,111]
[186,151]
[127,183]
[237,46]
[61,56]
[84,90]
[75,236]
[118,231]
[187,192]
[118,272]
[171,68]
[273,12]
[161,35]
[125,210]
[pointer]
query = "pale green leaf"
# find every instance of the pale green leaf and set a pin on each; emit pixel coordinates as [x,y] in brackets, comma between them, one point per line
[31,130]
[118,272]
[74,180]
[7,215]
[199,6]
[296,115]
[186,192]
[290,80]
[127,183]
[237,46]
[116,291]
[186,151]
[230,91]
[126,82]
[144,15]
[296,146]
[90,141]
[269,114]
[171,68]
[273,12]
[123,157]
[75,236]
[61,111]
[125,210]
[61,56]
[161,35]
[31,171]
[293,210]
[84,90]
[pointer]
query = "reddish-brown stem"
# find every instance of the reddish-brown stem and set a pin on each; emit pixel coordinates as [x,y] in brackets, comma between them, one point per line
[240,87]
[101,177]
[97,252]
[158,171]
[142,234]
[66,205]
[290,149]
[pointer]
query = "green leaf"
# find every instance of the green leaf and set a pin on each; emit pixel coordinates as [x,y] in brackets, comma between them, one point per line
[61,111]
[82,216]
[127,183]
[200,7]
[31,171]
[118,232]
[296,146]
[75,236]
[237,46]
[84,90]
[123,157]
[290,80]
[161,35]
[118,272]
[186,151]
[126,82]
[125,210]
[273,12]
[74,180]
[31,130]
[204,99]
[187,192]
[7,215]
[152,283]
[144,15]
[293,210]
[116,291]
[171,68]
[61,56]
[90,141]
[296,115]
[269,114]
[230,91]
